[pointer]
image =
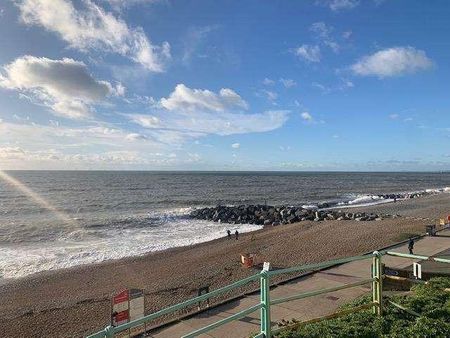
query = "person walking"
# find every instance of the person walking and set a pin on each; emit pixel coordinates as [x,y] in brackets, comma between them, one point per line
[229,233]
[411,246]
[236,234]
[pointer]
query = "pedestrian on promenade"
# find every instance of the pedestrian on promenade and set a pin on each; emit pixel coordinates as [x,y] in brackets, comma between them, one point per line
[229,233]
[411,246]
[236,234]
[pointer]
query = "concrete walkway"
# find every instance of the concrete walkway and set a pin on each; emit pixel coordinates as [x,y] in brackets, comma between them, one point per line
[303,309]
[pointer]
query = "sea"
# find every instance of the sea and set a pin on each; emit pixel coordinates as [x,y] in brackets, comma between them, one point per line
[57,219]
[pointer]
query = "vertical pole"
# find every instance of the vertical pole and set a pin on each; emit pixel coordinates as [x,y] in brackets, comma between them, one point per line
[380,283]
[377,284]
[374,285]
[109,331]
[265,302]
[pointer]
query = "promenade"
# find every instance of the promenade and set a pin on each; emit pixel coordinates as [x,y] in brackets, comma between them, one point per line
[303,309]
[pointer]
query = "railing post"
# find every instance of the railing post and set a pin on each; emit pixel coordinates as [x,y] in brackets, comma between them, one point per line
[265,302]
[109,331]
[377,284]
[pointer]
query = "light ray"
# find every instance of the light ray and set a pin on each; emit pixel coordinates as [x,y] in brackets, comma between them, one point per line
[35,197]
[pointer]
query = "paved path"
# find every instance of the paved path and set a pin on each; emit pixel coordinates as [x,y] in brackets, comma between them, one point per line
[303,309]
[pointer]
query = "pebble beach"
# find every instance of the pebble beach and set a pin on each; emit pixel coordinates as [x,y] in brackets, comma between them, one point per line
[75,302]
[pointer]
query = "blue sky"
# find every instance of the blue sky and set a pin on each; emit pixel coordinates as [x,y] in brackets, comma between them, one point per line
[224,85]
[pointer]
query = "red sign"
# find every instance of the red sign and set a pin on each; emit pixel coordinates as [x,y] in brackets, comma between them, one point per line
[120,297]
[120,318]
[448,218]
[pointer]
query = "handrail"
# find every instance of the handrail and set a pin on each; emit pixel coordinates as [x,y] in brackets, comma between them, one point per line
[401,307]
[212,326]
[321,291]
[405,255]
[318,265]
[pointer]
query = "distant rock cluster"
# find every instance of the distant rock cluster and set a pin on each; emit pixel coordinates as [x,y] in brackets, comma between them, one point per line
[275,215]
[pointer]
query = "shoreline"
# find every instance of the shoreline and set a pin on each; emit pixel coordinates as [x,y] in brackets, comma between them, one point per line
[76,301]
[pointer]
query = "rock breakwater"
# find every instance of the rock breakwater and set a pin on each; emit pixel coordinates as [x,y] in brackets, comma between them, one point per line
[276,215]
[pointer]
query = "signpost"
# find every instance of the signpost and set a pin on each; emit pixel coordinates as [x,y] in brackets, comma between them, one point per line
[128,305]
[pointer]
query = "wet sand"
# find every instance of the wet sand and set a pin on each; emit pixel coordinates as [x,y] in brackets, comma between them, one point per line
[75,302]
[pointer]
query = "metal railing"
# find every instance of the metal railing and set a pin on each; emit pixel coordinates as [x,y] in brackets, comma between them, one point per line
[266,331]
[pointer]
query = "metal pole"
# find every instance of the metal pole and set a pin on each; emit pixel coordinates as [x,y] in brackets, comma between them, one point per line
[377,284]
[380,283]
[109,331]
[374,285]
[265,302]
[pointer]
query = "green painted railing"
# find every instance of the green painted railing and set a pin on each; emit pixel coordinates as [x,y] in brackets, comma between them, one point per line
[266,330]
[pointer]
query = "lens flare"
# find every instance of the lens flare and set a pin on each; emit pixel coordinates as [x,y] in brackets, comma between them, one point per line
[32,195]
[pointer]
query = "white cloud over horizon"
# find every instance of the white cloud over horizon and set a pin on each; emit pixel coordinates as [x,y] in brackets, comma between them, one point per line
[394,61]
[63,85]
[92,28]
[197,112]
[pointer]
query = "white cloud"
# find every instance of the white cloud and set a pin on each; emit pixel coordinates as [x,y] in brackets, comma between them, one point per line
[288,83]
[63,85]
[324,34]
[186,99]
[236,145]
[270,95]
[94,28]
[146,121]
[306,116]
[119,4]
[347,34]
[28,145]
[394,116]
[392,62]
[268,82]
[191,113]
[338,5]
[308,53]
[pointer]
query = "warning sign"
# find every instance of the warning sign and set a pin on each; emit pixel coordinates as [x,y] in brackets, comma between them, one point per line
[128,305]
[120,307]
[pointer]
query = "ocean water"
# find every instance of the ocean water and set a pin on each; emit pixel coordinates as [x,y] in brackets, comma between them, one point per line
[56,219]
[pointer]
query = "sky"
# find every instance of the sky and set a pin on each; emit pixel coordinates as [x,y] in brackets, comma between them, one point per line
[225,85]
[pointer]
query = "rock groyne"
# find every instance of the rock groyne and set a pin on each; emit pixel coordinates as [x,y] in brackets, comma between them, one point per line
[276,215]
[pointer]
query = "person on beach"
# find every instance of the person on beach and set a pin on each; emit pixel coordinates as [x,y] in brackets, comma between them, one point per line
[229,233]
[411,246]
[236,234]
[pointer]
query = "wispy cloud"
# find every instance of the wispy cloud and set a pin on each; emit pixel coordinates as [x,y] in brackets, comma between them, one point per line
[268,82]
[308,53]
[193,40]
[338,5]
[288,83]
[323,32]
[93,28]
